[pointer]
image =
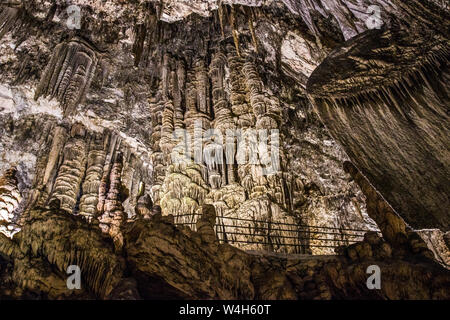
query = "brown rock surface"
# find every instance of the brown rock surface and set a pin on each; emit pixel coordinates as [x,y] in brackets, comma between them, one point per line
[92,120]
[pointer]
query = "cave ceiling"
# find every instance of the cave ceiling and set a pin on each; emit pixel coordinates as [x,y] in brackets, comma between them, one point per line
[89,102]
[180,149]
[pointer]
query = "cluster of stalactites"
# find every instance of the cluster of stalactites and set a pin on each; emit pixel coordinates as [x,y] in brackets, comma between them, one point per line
[83,176]
[184,185]
[167,114]
[69,73]
[265,177]
[227,95]
[73,171]
[223,172]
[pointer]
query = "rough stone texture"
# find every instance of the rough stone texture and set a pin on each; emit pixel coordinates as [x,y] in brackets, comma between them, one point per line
[391,116]
[87,118]
[436,242]
[126,90]
[179,263]
[54,240]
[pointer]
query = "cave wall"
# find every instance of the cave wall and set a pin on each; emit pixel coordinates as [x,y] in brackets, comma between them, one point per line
[391,116]
[163,261]
[87,148]
[102,92]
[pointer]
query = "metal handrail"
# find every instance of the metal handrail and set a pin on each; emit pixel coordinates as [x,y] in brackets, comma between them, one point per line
[287,244]
[274,222]
[274,241]
[285,237]
[286,230]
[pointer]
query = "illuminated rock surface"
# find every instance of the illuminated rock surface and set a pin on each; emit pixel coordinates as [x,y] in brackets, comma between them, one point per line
[91,173]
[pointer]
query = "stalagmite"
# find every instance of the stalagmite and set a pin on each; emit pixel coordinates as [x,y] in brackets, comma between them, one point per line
[202,86]
[111,144]
[96,158]
[113,217]
[144,207]
[70,174]
[182,149]
[10,198]
[250,14]
[156,109]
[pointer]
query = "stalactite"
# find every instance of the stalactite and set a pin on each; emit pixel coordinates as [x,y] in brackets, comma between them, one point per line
[221,13]
[69,73]
[10,198]
[257,101]
[244,116]
[238,91]
[234,30]
[111,144]
[202,86]
[167,129]
[254,86]
[51,164]
[250,15]
[193,112]
[191,91]
[140,34]
[390,114]
[177,94]
[8,18]
[165,72]
[179,83]
[223,116]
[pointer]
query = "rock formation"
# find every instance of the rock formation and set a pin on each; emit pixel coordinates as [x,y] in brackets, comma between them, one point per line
[69,73]
[234,149]
[384,90]
[9,201]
